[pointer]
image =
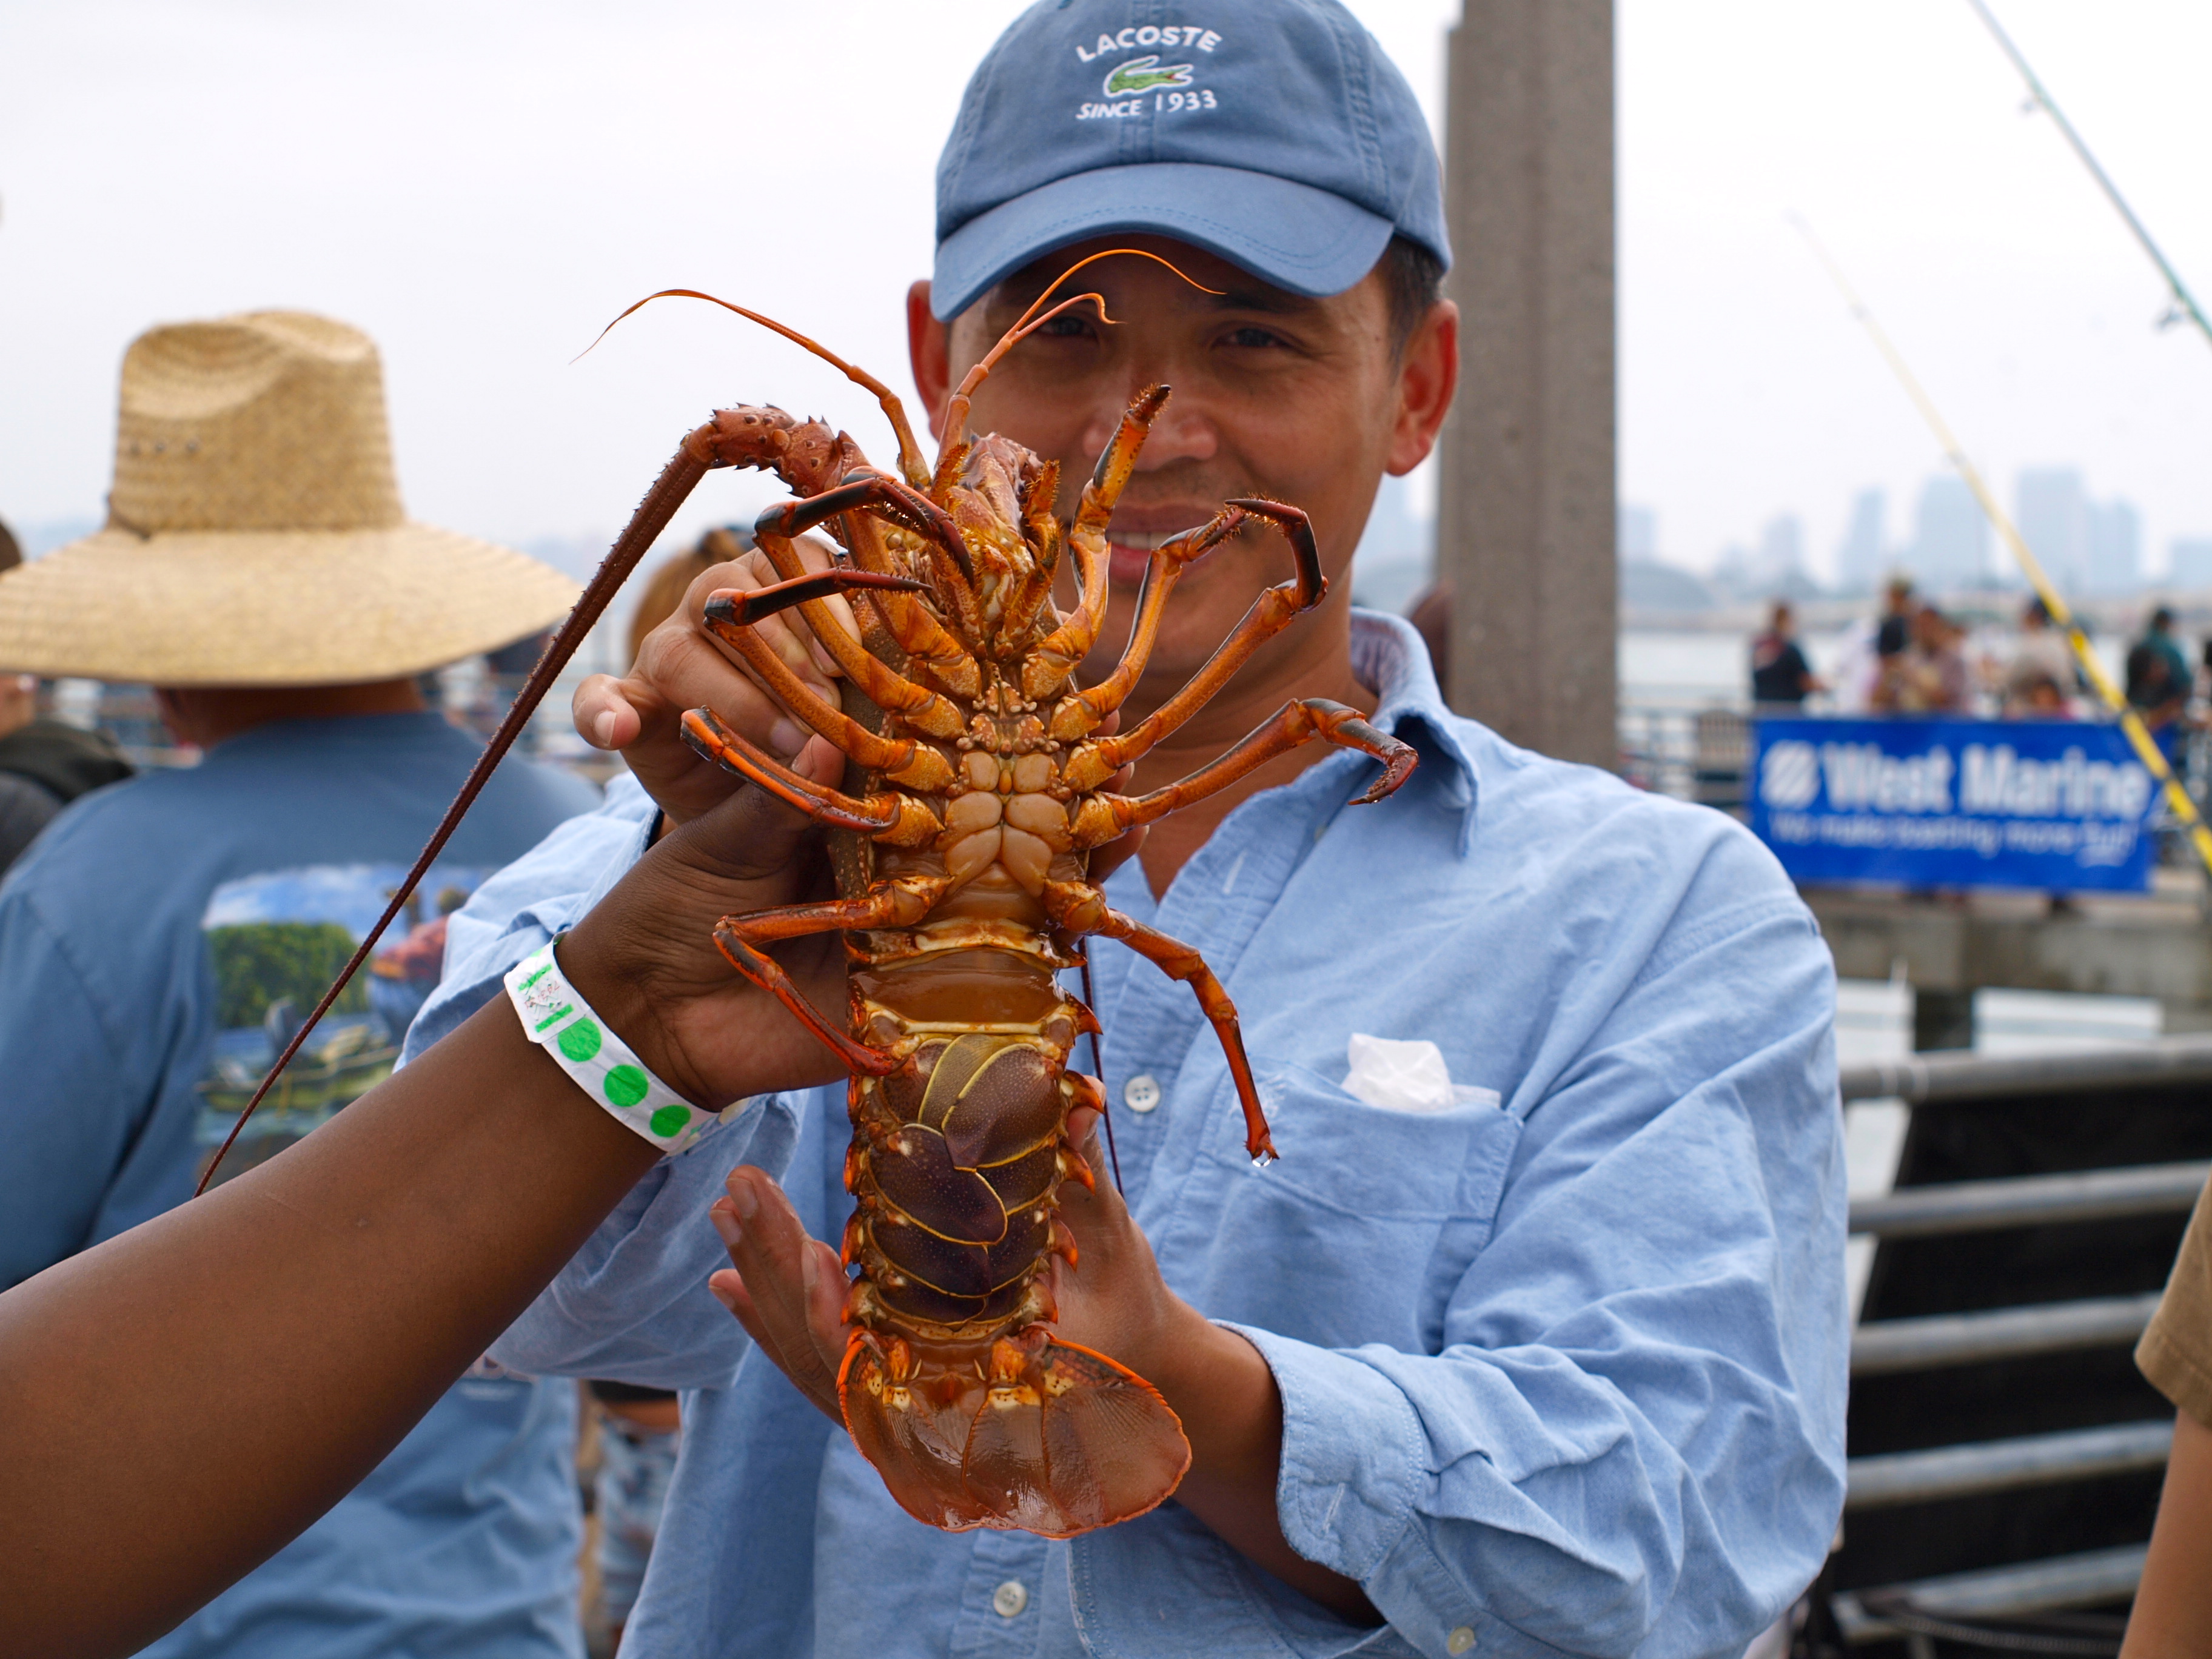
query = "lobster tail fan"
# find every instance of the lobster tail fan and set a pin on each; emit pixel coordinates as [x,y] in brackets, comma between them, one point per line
[1037,1436]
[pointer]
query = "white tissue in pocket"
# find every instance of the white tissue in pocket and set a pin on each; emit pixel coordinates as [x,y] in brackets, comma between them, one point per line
[1406,1077]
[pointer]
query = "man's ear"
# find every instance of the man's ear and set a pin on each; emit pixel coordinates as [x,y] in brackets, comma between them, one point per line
[928,353]
[1427,377]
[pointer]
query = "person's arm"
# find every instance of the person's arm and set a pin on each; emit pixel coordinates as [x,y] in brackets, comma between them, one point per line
[2173,1604]
[177,1402]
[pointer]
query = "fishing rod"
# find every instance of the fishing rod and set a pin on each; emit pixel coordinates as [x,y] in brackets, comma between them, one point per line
[2183,303]
[2062,614]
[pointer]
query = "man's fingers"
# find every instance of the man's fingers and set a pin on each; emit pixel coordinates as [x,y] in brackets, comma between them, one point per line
[1098,1209]
[780,1275]
[604,717]
[785,633]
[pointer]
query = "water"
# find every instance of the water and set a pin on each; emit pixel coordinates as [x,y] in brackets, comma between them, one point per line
[1697,668]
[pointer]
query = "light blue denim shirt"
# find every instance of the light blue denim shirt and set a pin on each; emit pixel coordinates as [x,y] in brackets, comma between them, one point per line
[1562,1368]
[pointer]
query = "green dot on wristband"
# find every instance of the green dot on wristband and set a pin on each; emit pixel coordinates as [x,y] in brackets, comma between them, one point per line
[581,1041]
[625,1085]
[670,1118]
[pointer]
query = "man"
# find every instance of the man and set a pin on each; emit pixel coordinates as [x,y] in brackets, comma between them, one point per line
[1476,1386]
[44,765]
[1929,678]
[2040,677]
[1559,1366]
[167,933]
[2158,683]
[1893,634]
[1779,672]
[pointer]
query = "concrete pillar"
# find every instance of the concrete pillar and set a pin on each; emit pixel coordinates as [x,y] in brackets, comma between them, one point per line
[1526,527]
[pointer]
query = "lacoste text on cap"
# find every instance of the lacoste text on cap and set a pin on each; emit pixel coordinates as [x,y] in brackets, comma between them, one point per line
[1274,133]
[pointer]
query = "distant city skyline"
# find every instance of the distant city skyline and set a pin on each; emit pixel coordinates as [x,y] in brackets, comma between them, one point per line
[2090,547]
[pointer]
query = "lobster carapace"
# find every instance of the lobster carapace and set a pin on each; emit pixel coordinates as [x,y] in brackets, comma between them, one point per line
[974,793]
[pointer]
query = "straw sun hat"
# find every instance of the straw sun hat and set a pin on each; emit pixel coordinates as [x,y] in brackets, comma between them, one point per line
[254,533]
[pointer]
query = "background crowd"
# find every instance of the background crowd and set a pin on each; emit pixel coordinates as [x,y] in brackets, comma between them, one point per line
[1915,657]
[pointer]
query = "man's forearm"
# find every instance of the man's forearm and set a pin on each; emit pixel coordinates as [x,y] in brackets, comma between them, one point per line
[1223,1389]
[179,1402]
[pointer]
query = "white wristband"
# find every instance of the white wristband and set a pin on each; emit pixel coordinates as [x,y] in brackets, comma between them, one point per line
[562,1023]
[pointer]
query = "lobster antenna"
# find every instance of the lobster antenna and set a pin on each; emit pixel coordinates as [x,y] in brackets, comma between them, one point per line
[677,481]
[956,406]
[886,399]
[1090,1001]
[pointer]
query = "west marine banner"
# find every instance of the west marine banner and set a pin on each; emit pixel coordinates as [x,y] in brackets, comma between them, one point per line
[2055,804]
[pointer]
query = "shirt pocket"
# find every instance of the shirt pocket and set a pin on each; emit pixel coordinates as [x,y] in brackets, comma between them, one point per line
[1360,1230]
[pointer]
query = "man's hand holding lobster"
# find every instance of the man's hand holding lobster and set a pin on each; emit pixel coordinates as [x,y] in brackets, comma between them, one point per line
[681,666]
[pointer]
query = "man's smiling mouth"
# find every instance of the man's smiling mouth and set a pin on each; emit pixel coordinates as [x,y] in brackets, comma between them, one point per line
[1131,550]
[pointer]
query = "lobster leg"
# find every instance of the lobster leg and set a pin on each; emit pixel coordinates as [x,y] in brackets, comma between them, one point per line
[885,496]
[901,760]
[1271,612]
[889,905]
[884,686]
[749,606]
[1103,817]
[865,491]
[1081,908]
[898,820]
[1041,528]
[1055,657]
[1079,715]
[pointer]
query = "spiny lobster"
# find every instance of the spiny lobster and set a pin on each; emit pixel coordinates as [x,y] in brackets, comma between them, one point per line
[974,793]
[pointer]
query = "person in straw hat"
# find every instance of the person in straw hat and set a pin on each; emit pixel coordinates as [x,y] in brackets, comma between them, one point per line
[166,934]
[43,763]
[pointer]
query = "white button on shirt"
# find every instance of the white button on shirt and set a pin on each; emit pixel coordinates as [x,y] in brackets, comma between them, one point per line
[1141,1093]
[1460,1641]
[1010,1598]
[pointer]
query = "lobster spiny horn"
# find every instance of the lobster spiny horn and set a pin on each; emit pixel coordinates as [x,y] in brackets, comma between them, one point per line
[910,462]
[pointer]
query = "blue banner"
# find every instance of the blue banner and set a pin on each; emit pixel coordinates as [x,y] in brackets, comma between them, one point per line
[2056,805]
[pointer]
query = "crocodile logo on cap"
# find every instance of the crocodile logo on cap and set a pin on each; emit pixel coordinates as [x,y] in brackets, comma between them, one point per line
[1145,74]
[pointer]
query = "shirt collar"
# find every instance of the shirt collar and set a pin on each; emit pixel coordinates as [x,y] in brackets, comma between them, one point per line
[1388,655]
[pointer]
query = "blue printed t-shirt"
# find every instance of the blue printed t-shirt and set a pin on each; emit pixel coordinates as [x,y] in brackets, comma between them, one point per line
[1562,1363]
[157,946]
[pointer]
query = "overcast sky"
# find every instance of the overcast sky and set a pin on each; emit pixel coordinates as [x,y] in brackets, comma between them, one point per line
[482,185]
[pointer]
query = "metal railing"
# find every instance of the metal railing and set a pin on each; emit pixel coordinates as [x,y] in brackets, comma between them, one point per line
[2033,1460]
[1926,1079]
[1968,1207]
[1936,1340]
[1699,754]
[2062,1581]
[2105,1079]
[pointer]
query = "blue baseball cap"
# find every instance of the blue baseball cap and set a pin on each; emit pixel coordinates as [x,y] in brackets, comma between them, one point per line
[1274,133]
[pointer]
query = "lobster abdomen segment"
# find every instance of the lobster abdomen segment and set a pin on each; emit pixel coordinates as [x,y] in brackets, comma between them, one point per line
[956,1159]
